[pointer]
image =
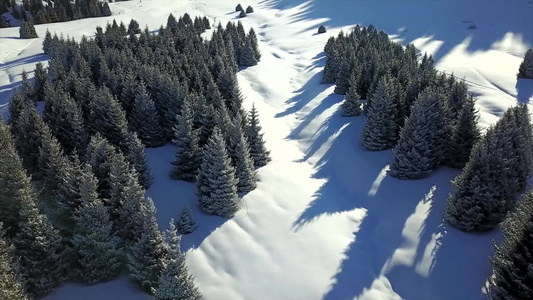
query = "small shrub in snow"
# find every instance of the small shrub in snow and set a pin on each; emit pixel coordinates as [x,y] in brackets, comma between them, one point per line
[186,223]
[242,14]
[322,29]
[526,67]
[249,9]
[238,8]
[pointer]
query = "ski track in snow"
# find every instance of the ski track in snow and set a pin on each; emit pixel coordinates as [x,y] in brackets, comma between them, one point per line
[326,221]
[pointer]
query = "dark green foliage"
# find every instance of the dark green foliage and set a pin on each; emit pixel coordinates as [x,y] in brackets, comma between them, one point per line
[41,79]
[424,139]
[145,119]
[351,106]
[513,260]
[17,105]
[27,30]
[107,117]
[185,166]
[381,131]
[28,132]
[239,152]
[100,155]
[217,185]
[133,27]
[137,157]
[465,134]
[247,55]
[186,223]
[11,285]
[258,151]
[342,84]
[255,46]
[526,67]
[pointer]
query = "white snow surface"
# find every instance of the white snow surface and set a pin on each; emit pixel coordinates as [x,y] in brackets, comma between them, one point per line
[326,221]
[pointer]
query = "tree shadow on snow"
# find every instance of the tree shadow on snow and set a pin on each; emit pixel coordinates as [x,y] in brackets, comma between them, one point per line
[477,28]
[524,89]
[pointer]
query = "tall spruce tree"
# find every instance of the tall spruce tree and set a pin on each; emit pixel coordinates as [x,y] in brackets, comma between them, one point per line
[258,151]
[255,47]
[100,155]
[239,152]
[217,185]
[465,134]
[137,158]
[149,253]
[98,256]
[381,130]
[11,285]
[27,30]
[351,106]
[41,78]
[145,120]
[513,259]
[28,132]
[176,282]
[185,165]
[424,139]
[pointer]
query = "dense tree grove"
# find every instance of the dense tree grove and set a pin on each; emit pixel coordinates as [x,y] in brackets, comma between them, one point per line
[105,99]
[55,10]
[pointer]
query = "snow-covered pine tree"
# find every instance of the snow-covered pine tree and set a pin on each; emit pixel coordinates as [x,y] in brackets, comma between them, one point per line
[186,223]
[424,139]
[41,78]
[465,134]
[137,157]
[17,104]
[149,254]
[351,106]
[258,151]
[11,285]
[247,54]
[239,152]
[97,254]
[185,166]
[333,61]
[217,184]
[100,155]
[342,83]
[125,201]
[145,120]
[478,202]
[255,47]
[27,30]
[176,282]
[107,117]
[526,67]
[381,130]
[44,260]
[65,119]
[229,88]
[512,261]
[27,88]
[27,131]
[209,118]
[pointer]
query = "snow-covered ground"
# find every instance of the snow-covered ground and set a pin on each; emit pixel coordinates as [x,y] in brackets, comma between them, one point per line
[326,221]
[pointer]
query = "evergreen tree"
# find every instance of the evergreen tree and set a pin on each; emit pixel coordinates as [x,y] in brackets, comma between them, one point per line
[217,185]
[27,30]
[258,151]
[381,131]
[175,281]
[229,88]
[41,78]
[479,201]
[513,259]
[148,255]
[27,88]
[249,9]
[322,29]
[526,67]
[43,258]
[186,223]
[11,285]
[351,106]
[133,27]
[242,14]
[100,155]
[424,139]
[255,46]
[247,54]
[107,117]
[185,166]
[342,83]
[137,158]
[238,7]
[98,256]
[28,131]
[465,134]
[145,119]
[17,105]
[239,152]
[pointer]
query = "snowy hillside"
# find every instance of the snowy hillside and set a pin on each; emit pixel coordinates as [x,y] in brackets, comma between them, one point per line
[326,221]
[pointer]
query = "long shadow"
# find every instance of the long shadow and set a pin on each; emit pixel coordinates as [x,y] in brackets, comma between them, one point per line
[23,61]
[524,89]
[436,14]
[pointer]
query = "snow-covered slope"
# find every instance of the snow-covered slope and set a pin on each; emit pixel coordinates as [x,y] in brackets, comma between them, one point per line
[326,221]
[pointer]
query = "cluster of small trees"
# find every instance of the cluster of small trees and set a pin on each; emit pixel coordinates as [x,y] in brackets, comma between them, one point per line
[53,11]
[27,30]
[242,12]
[428,118]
